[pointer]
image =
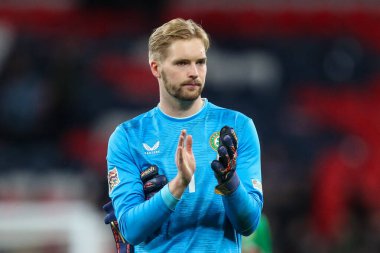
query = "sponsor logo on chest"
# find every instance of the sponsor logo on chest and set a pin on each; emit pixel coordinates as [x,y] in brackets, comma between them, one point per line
[150,150]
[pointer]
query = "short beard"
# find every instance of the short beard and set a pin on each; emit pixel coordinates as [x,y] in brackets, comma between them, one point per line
[178,92]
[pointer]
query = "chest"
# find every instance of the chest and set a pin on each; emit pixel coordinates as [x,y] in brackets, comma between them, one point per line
[159,144]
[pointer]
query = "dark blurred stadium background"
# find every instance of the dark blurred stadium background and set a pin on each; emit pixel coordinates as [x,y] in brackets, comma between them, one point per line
[306,71]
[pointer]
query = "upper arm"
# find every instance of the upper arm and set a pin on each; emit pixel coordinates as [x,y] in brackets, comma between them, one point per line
[125,186]
[249,158]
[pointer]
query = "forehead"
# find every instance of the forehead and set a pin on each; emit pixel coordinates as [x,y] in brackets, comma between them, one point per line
[186,49]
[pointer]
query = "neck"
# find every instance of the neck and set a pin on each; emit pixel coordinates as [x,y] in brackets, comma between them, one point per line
[181,109]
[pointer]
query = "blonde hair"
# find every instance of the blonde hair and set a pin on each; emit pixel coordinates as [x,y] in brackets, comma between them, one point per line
[176,29]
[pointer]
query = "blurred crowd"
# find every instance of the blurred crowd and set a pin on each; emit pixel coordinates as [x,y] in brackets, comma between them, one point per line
[308,78]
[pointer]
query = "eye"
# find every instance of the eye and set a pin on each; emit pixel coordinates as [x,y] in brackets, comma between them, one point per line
[201,62]
[181,63]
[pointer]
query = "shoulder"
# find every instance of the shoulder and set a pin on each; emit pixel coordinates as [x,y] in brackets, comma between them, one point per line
[138,121]
[229,114]
[134,125]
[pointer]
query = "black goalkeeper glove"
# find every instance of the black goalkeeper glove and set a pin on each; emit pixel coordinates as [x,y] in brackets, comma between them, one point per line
[153,182]
[121,245]
[225,167]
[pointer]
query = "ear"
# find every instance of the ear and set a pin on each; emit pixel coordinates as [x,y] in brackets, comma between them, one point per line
[155,68]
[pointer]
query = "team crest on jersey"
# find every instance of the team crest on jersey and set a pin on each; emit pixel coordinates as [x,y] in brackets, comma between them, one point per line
[257,185]
[151,150]
[214,141]
[113,179]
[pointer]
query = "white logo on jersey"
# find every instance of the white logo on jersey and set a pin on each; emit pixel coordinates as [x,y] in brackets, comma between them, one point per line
[151,150]
[257,185]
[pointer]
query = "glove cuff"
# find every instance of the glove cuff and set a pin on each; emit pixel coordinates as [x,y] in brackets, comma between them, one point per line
[229,186]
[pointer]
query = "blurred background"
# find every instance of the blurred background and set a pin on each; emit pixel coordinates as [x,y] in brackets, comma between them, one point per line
[306,71]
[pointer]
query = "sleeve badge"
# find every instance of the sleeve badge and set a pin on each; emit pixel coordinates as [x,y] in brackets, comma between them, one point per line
[257,185]
[113,179]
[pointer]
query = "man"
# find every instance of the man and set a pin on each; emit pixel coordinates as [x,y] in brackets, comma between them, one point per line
[209,155]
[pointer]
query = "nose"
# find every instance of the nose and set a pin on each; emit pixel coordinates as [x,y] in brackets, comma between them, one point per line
[193,71]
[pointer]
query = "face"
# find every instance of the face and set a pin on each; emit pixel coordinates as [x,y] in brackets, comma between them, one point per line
[182,73]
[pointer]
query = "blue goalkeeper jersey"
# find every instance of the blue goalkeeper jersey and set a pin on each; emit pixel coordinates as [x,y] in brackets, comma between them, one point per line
[201,221]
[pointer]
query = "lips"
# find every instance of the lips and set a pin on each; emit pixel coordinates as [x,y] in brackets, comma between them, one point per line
[193,84]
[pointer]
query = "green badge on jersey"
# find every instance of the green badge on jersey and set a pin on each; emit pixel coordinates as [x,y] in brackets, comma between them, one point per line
[214,141]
